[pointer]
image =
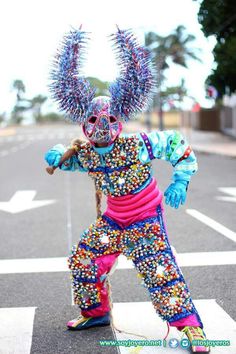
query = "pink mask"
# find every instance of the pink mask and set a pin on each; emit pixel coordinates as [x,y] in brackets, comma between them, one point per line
[101,127]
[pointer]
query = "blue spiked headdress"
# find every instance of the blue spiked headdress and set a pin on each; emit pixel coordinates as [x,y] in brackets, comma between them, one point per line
[130,93]
[72,92]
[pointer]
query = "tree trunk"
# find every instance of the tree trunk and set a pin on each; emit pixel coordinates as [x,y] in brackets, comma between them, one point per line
[160,78]
[161,117]
[159,108]
[148,120]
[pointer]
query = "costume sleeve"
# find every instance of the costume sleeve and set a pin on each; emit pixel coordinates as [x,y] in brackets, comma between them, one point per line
[72,164]
[171,146]
[54,155]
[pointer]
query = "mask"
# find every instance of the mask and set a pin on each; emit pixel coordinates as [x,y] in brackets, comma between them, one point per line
[101,126]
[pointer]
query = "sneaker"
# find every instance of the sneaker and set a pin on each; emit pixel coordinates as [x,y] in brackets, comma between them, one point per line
[195,334]
[87,322]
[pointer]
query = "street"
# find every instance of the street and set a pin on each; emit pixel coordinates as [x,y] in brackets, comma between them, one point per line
[42,216]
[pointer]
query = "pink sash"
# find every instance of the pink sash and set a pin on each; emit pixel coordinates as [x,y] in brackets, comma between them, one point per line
[131,208]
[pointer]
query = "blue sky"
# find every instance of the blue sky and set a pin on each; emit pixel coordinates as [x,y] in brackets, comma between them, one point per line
[31,30]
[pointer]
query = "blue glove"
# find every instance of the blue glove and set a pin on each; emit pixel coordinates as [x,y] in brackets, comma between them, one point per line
[176,193]
[54,155]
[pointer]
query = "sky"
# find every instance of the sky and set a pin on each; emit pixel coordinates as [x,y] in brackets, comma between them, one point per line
[30,32]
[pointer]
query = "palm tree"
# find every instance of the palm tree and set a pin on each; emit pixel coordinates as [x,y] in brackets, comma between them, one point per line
[174,95]
[174,47]
[36,106]
[101,86]
[19,86]
[19,108]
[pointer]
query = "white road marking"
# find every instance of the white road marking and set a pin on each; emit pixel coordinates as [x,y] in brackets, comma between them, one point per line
[59,264]
[16,329]
[51,136]
[228,190]
[34,265]
[140,318]
[69,222]
[31,138]
[61,136]
[47,135]
[24,145]
[15,148]
[192,259]
[213,224]
[10,138]
[40,137]
[22,201]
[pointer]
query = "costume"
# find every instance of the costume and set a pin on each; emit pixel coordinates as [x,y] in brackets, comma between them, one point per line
[120,166]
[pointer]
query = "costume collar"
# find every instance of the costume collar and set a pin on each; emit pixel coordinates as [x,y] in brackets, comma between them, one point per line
[103,150]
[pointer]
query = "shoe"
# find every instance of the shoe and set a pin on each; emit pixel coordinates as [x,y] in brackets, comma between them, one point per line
[195,334]
[87,322]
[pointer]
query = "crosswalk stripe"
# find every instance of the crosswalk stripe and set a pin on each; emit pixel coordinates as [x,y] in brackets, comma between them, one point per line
[59,264]
[132,321]
[194,259]
[41,136]
[213,224]
[14,149]
[16,329]
[140,319]
[34,265]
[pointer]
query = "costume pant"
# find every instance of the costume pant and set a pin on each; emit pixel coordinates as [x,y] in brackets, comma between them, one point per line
[146,244]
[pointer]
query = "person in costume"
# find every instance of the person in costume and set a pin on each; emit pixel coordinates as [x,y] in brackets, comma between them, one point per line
[120,166]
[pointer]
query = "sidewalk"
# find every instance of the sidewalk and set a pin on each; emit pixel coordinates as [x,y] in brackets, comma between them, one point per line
[7,132]
[202,141]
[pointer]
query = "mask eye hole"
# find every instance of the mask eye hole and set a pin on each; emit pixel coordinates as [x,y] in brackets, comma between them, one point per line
[112,119]
[92,119]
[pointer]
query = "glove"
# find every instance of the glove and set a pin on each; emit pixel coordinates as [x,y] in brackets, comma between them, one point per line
[176,193]
[54,155]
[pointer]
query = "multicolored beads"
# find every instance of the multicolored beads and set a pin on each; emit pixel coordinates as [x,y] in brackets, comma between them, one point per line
[172,302]
[119,172]
[84,277]
[146,244]
[135,242]
[87,296]
[158,270]
[185,155]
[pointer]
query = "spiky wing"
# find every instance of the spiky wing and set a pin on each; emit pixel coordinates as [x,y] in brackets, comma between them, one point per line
[72,92]
[131,92]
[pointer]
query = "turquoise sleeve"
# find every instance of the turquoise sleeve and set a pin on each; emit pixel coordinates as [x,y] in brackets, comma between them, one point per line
[73,164]
[171,146]
[54,155]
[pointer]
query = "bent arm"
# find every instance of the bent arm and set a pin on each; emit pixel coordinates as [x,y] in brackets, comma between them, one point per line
[171,146]
[65,159]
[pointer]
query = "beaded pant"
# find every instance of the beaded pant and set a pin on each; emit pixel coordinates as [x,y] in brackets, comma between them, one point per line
[146,244]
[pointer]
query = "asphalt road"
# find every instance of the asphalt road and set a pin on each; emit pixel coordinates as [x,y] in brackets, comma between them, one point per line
[51,230]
